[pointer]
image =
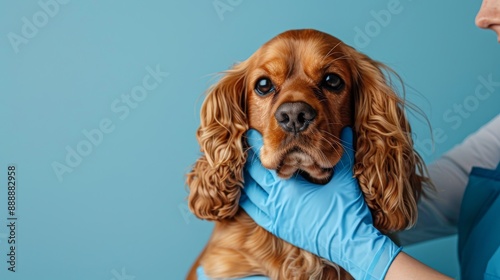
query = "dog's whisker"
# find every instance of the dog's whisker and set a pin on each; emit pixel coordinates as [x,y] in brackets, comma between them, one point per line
[345,56]
[336,138]
[331,146]
[332,49]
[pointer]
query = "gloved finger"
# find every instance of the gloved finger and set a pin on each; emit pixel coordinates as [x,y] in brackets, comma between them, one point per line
[346,162]
[259,216]
[255,141]
[264,177]
[252,188]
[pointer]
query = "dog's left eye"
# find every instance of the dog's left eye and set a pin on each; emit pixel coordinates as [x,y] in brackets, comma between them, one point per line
[333,82]
[264,86]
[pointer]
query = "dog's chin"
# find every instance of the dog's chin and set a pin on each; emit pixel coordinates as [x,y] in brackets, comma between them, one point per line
[320,181]
[296,161]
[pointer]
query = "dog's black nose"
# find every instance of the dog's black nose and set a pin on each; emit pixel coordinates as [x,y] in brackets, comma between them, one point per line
[295,117]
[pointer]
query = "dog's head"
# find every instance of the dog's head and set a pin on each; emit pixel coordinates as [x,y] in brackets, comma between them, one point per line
[299,90]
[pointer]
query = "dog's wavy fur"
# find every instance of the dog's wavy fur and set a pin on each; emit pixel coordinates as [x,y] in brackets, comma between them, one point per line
[389,170]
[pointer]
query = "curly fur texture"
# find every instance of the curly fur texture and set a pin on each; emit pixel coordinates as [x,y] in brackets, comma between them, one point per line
[388,168]
[217,176]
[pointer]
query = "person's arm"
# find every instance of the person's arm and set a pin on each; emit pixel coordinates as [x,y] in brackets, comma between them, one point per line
[406,267]
[438,210]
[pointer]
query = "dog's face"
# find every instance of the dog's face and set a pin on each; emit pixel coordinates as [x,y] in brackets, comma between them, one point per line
[299,98]
[299,90]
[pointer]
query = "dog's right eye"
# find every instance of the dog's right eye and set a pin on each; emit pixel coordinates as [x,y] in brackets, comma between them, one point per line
[264,86]
[333,82]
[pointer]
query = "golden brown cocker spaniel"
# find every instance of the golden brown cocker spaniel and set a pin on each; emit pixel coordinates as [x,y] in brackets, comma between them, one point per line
[299,90]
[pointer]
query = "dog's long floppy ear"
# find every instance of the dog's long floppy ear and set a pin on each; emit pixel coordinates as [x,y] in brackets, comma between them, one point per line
[217,176]
[389,170]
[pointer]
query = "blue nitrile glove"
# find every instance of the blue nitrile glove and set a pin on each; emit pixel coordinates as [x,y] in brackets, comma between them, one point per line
[331,221]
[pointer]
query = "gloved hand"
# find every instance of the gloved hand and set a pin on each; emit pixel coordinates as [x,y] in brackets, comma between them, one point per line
[331,221]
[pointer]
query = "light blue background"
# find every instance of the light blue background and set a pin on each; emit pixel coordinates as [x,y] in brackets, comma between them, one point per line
[122,211]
